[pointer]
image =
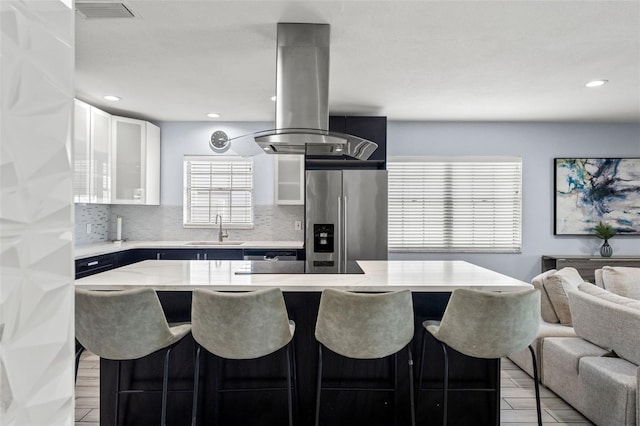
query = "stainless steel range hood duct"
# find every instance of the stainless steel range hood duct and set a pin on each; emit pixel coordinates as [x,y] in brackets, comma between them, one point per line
[302,104]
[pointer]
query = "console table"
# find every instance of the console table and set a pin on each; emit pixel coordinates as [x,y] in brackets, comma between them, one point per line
[586,265]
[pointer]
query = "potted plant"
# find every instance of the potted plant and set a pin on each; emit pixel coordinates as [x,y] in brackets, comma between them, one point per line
[604,231]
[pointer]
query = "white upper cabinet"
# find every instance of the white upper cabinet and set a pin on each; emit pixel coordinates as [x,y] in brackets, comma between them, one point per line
[81,152]
[135,147]
[101,156]
[92,158]
[289,179]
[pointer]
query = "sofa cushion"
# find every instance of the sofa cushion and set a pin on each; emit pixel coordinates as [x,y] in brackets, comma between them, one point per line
[598,277]
[613,325]
[546,308]
[557,285]
[546,329]
[613,384]
[622,280]
[561,358]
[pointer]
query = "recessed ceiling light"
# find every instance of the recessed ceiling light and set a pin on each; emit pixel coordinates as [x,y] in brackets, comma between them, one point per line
[596,83]
[112,98]
[213,115]
[273,98]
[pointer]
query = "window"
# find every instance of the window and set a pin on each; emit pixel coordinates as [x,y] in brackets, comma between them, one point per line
[220,185]
[458,204]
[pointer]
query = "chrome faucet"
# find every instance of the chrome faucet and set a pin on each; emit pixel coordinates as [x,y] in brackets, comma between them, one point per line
[221,233]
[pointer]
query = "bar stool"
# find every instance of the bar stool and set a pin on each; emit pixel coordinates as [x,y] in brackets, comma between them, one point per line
[242,326]
[489,325]
[365,326]
[126,325]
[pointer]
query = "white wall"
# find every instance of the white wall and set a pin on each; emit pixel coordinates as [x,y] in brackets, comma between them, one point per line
[538,144]
[36,214]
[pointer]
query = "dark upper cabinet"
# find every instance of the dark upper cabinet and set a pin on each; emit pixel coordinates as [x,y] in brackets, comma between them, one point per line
[371,128]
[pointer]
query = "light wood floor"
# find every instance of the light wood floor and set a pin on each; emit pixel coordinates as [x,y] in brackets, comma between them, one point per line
[517,403]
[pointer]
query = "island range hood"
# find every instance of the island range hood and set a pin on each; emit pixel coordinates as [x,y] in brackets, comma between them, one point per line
[302,98]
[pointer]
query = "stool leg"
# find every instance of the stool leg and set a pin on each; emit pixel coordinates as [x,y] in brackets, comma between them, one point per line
[319,385]
[445,387]
[196,382]
[411,392]
[289,393]
[165,385]
[117,392]
[537,384]
[78,353]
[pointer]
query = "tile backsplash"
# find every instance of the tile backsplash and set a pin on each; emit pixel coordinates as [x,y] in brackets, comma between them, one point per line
[150,223]
[97,217]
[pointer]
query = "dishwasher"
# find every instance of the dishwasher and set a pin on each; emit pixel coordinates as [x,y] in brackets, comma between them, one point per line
[270,255]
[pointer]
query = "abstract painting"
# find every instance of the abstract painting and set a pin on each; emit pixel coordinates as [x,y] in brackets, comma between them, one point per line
[590,190]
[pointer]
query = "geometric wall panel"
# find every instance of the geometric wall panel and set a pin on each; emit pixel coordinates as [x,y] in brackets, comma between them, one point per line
[36,213]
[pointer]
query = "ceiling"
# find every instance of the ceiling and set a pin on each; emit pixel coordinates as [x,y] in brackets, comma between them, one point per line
[407,60]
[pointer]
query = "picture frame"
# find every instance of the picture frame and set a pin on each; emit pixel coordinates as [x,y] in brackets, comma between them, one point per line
[592,190]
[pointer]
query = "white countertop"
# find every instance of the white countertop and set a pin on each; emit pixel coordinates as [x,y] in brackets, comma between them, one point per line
[97,249]
[415,275]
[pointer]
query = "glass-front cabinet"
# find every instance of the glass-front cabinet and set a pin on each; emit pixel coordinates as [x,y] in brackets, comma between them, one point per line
[101,160]
[81,152]
[136,167]
[289,176]
[92,154]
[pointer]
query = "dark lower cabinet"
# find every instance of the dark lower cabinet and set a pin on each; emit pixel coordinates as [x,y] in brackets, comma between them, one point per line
[95,264]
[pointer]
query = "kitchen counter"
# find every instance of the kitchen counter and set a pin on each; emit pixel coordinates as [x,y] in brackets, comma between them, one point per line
[431,283]
[97,249]
[185,275]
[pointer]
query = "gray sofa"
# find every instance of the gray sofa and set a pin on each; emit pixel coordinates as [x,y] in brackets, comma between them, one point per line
[598,371]
[589,352]
[550,325]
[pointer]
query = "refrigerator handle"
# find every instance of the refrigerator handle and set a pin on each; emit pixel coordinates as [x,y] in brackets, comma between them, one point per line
[339,236]
[345,235]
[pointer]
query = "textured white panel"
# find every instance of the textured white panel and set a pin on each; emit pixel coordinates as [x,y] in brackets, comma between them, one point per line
[36,214]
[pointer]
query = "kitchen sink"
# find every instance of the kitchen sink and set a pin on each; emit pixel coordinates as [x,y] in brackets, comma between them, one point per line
[215,243]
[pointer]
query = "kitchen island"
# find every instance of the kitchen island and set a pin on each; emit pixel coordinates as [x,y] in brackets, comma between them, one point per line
[431,283]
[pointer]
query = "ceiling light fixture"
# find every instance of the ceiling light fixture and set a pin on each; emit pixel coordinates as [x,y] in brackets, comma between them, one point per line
[274,98]
[213,115]
[596,83]
[112,98]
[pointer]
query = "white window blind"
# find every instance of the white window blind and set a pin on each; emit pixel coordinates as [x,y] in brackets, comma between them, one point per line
[218,185]
[458,204]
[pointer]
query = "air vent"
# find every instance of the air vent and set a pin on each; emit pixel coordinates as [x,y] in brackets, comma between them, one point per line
[103,10]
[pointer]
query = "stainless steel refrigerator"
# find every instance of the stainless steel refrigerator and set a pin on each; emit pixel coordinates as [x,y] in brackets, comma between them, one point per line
[345,218]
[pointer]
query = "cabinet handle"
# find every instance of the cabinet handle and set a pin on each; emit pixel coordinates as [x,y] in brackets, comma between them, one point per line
[94,263]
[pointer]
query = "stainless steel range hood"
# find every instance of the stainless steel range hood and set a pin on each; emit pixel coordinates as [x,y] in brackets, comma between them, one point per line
[302,104]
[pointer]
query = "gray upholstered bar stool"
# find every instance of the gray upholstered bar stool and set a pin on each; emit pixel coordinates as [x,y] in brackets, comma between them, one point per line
[126,325]
[365,326]
[242,326]
[487,325]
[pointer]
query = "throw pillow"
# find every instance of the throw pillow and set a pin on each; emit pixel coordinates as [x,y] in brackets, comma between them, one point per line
[557,285]
[622,280]
[546,308]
